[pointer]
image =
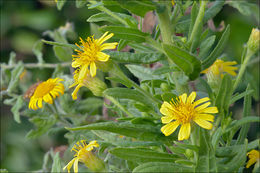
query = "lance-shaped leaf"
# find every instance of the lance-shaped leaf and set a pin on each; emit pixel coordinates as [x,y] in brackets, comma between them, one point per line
[16,72]
[217,50]
[141,132]
[15,109]
[184,60]
[143,73]
[162,167]
[136,58]
[236,97]
[143,155]
[129,34]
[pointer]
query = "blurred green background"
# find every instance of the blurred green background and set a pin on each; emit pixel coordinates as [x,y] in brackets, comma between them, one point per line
[23,22]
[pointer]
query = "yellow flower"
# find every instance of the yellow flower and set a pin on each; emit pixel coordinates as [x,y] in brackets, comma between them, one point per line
[183,111]
[90,52]
[83,154]
[254,156]
[219,67]
[83,78]
[173,2]
[46,91]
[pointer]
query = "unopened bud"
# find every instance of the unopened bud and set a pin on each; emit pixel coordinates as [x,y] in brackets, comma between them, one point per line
[253,42]
[95,85]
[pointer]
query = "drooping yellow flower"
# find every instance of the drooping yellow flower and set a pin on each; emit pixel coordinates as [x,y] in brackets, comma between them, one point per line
[254,156]
[173,2]
[84,154]
[46,91]
[219,67]
[183,111]
[90,52]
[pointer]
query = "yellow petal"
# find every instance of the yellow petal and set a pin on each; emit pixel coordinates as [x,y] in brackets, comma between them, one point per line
[104,38]
[207,117]
[74,94]
[91,145]
[203,106]
[108,46]
[184,132]
[250,162]
[69,165]
[166,108]
[167,119]
[170,128]
[191,97]
[48,99]
[183,97]
[209,110]
[102,57]
[203,123]
[93,69]
[82,73]
[201,101]
[40,103]
[75,165]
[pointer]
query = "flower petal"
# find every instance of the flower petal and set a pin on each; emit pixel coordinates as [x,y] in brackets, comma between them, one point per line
[75,165]
[184,132]
[203,106]
[209,110]
[102,57]
[170,128]
[108,46]
[93,69]
[183,97]
[207,117]
[205,99]
[166,108]
[191,97]
[167,119]
[203,123]
[40,103]
[69,165]
[74,93]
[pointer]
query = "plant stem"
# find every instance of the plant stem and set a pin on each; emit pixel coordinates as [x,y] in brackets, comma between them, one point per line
[119,105]
[243,68]
[36,65]
[198,21]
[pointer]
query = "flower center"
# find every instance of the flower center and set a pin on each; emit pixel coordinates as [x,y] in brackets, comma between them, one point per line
[184,112]
[43,89]
[90,50]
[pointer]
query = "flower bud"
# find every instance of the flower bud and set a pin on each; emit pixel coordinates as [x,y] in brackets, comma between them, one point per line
[253,42]
[95,85]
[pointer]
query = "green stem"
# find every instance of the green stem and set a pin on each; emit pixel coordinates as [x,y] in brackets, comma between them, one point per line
[198,21]
[165,27]
[36,65]
[243,68]
[195,139]
[119,105]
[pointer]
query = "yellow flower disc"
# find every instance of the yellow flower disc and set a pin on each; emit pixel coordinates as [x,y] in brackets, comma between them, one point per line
[46,91]
[183,111]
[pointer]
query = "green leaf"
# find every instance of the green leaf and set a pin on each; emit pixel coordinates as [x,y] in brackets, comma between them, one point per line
[246,112]
[224,93]
[60,44]
[115,140]
[217,50]
[60,4]
[138,47]
[168,96]
[15,109]
[141,132]
[56,165]
[12,59]
[216,137]
[252,145]
[15,74]
[137,7]
[243,7]
[63,53]
[238,123]
[187,146]
[81,3]
[124,33]
[125,93]
[213,10]
[162,167]
[241,95]
[136,58]
[122,44]
[184,60]
[89,104]
[119,80]
[143,73]
[194,13]
[142,155]
[206,46]
[37,50]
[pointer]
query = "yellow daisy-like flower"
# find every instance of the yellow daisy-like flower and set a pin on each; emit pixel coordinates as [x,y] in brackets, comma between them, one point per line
[83,154]
[46,91]
[90,52]
[183,111]
[219,67]
[254,156]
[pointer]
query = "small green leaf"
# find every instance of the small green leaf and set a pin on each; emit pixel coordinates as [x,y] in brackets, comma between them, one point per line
[60,4]
[162,167]
[119,80]
[60,44]
[81,3]
[236,97]
[129,34]
[143,73]
[213,10]
[224,93]
[206,46]
[63,53]
[56,165]
[15,109]
[37,50]
[122,44]
[168,96]
[12,59]
[184,60]
[142,155]
[217,50]
[252,145]
[187,146]
[125,93]
[243,7]
[15,74]
[141,132]
[136,58]
[194,13]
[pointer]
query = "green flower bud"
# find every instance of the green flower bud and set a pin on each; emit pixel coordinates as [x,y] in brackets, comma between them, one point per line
[253,42]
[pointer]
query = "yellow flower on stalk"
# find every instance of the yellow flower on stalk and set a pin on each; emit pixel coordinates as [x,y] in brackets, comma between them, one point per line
[90,52]
[254,156]
[182,111]
[84,154]
[46,91]
[219,67]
